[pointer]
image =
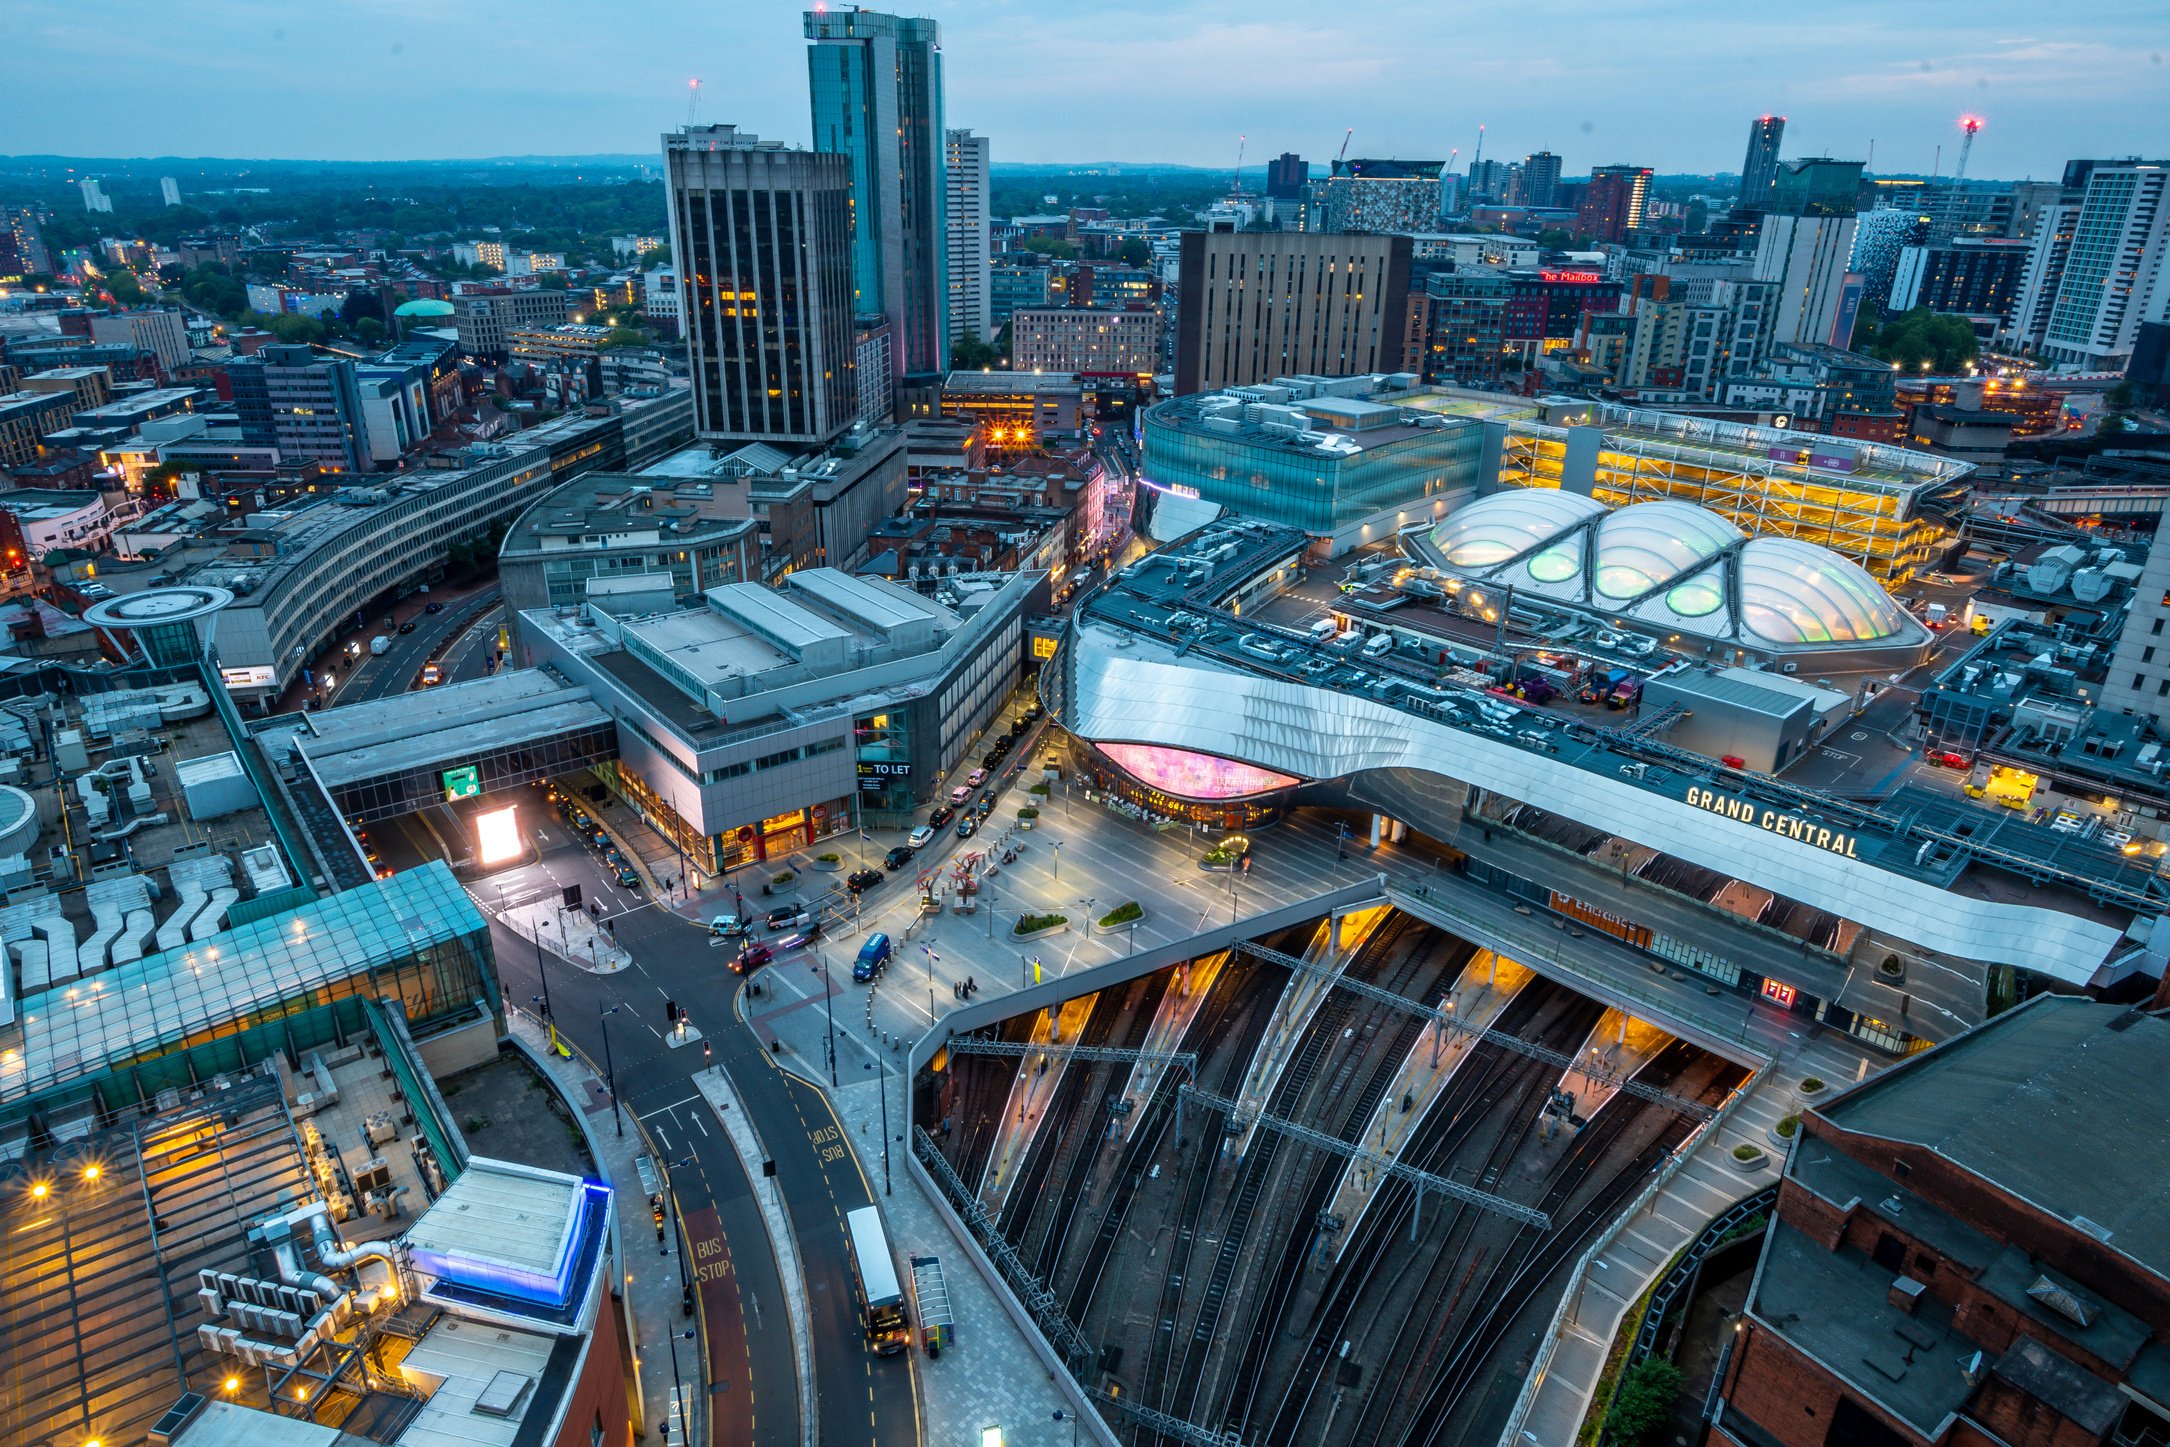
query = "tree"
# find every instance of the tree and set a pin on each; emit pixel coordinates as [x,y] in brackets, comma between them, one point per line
[554,281]
[122,286]
[294,327]
[1555,239]
[969,353]
[623,337]
[1135,251]
[1055,246]
[1643,1402]
[1922,340]
[369,332]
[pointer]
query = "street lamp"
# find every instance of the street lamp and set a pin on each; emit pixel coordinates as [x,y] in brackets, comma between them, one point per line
[1057,847]
[883,1060]
[1062,1416]
[828,996]
[610,1069]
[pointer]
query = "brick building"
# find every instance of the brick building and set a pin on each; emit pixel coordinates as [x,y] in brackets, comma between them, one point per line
[1971,1249]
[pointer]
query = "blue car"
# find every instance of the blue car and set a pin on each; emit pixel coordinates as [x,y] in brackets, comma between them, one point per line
[873,958]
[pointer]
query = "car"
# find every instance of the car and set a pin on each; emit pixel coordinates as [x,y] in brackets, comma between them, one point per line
[898,857]
[991,761]
[921,837]
[752,958]
[959,796]
[967,827]
[432,674]
[873,957]
[790,916]
[628,877]
[408,626]
[729,927]
[434,608]
[976,778]
[986,804]
[940,817]
[864,879]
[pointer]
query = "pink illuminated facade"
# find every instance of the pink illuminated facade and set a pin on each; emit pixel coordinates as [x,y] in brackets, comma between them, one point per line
[1188,775]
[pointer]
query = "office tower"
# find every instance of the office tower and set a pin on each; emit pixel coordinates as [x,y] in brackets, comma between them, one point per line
[1760,167]
[22,247]
[2049,245]
[761,235]
[94,196]
[876,86]
[1257,305]
[1805,244]
[2112,274]
[1540,179]
[968,222]
[1970,276]
[1613,203]
[1382,197]
[169,190]
[1487,179]
[307,406]
[163,330]
[1286,175]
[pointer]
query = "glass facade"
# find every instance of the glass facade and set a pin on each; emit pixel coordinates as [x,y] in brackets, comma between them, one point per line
[885,760]
[530,762]
[415,937]
[1273,478]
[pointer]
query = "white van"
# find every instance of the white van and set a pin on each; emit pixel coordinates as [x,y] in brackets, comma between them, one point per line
[1380,645]
[1324,629]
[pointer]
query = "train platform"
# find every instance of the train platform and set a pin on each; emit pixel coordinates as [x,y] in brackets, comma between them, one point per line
[1037,1078]
[1619,1045]
[1488,982]
[1178,1007]
[1300,1000]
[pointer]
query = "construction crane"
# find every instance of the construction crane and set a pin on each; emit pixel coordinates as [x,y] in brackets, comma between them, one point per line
[1971,125]
[1346,138]
[1241,141]
[693,99]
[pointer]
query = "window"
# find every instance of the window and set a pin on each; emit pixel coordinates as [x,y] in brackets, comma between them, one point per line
[2157,628]
[2147,655]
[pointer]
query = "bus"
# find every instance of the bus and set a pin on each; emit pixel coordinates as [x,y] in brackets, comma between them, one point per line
[881,1295]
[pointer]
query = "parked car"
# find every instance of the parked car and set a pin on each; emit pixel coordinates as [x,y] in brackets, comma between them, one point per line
[922,836]
[752,958]
[873,957]
[898,857]
[864,879]
[790,916]
[940,817]
[967,826]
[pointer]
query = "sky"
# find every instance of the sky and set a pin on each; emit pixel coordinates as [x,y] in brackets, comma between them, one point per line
[1665,83]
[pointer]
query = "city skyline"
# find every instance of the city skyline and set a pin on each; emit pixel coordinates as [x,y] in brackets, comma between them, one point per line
[1152,85]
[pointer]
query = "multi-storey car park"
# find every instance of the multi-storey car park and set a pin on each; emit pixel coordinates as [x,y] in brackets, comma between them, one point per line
[1353,460]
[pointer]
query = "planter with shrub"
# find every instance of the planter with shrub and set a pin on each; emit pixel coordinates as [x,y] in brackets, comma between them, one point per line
[1748,1159]
[828,862]
[1032,926]
[1123,916]
[1786,1132]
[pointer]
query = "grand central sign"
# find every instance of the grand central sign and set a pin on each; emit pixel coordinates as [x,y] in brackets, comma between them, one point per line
[1775,821]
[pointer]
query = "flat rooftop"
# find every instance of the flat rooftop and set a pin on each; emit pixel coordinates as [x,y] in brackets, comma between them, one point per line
[453,722]
[2028,1101]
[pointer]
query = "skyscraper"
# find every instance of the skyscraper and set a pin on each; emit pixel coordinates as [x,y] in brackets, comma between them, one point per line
[761,234]
[875,82]
[1286,175]
[94,196]
[2115,274]
[307,406]
[1613,203]
[1805,243]
[1760,167]
[967,165]
[22,248]
[169,190]
[1540,178]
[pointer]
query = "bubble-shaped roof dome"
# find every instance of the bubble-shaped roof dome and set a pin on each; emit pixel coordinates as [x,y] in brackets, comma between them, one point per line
[423,306]
[1650,543]
[1796,592]
[1494,529]
[1674,557]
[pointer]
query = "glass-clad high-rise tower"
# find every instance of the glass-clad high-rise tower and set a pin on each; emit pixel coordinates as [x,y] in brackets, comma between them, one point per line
[875,82]
[1759,168]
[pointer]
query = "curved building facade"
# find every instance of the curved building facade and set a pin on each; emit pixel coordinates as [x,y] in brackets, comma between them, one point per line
[1809,901]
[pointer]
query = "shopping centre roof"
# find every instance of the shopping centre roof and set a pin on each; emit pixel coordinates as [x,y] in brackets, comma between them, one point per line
[1670,565]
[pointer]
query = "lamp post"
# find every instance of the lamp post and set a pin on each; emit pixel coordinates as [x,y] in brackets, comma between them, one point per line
[1057,847]
[884,1062]
[931,957]
[678,1388]
[1062,1416]
[828,995]
[610,1069]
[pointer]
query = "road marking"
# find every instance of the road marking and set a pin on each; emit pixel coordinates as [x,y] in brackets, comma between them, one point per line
[667,1109]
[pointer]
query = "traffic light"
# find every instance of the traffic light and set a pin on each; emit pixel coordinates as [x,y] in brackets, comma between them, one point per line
[670,1011]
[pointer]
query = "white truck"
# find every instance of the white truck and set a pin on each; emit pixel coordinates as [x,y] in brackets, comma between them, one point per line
[381,644]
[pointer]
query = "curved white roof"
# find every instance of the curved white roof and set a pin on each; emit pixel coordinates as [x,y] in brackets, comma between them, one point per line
[1670,564]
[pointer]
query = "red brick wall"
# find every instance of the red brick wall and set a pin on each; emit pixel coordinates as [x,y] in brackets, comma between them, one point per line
[598,1393]
[2021,1421]
[1787,1395]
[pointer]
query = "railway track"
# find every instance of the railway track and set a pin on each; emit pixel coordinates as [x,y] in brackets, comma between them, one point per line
[1489,1101]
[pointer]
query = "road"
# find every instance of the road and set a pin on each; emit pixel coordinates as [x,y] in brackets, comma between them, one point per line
[394,671]
[860,1398]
